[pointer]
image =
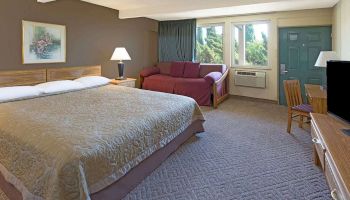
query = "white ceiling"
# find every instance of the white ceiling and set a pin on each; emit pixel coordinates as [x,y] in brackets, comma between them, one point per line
[186,9]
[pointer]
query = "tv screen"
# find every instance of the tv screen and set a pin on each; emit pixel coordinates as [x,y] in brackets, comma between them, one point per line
[338,87]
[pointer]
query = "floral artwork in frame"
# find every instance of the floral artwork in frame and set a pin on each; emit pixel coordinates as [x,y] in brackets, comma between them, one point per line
[43,43]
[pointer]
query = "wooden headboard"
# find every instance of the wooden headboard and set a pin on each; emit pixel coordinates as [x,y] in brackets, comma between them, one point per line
[36,76]
[70,73]
[22,77]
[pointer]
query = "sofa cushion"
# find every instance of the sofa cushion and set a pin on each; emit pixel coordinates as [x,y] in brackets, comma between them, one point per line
[177,69]
[164,67]
[160,83]
[196,88]
[191,70]
[149,71]
[303,108]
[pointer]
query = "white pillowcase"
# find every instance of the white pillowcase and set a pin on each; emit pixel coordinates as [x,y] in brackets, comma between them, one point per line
[55,87]
[18,92]
[93,81]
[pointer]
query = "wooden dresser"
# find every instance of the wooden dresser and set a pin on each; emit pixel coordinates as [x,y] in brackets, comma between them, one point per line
[317,98]
[332,153]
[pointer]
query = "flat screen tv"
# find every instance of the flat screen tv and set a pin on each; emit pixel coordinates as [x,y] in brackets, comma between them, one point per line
[338,89]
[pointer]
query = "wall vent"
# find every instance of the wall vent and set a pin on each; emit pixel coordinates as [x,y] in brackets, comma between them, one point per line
[250,79]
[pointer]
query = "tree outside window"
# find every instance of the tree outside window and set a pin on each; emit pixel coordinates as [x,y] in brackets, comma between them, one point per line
[209,44]
[250,44]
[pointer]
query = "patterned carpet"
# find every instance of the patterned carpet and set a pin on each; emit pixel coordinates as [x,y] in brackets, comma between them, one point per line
[245,153]
[3,196]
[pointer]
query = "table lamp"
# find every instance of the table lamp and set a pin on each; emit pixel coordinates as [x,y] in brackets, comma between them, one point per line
[324,57]
[322,61]
[120,54]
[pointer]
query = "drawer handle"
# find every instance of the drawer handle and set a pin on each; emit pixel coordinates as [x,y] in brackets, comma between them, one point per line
[316,141]
[334,194]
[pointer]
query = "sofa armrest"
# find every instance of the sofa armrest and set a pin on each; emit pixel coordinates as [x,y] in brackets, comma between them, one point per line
[223,77]
[220,89]
[149,71]
[213,77]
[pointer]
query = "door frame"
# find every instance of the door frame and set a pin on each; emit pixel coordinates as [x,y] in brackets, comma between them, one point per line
[278,51]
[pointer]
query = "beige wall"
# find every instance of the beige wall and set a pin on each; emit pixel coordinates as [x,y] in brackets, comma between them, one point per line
[318,17]
[92,34]
[341,29]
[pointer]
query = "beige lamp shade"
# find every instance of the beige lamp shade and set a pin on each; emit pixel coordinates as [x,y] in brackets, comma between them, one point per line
[120,53]
[324,57]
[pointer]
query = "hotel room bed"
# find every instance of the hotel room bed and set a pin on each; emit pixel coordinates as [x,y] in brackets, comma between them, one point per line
[95,143]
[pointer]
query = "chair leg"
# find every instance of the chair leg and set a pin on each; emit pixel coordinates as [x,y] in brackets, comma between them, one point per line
[301,121]
[289,126]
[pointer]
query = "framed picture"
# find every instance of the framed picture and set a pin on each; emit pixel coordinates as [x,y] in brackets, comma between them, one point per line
[43,43]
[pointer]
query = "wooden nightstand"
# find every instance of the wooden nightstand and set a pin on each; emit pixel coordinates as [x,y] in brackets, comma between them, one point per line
[129,82]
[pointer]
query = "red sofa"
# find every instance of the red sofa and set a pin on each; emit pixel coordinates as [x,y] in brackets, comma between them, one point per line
[205,83]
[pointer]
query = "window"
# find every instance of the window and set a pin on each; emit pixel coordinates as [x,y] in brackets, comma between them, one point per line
[250,44]
[209,44]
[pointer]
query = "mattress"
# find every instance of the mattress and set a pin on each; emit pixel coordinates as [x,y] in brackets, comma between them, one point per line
[71,145]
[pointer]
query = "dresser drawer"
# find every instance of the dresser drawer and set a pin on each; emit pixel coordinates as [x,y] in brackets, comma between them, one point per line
[333,180]
[318,144]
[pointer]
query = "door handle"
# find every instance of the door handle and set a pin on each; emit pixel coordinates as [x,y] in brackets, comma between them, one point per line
[283,69]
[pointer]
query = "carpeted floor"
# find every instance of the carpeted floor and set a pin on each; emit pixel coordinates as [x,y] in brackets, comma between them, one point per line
[245,153]
[3,196]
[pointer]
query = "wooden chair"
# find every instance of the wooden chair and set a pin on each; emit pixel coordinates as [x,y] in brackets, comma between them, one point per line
[296,107]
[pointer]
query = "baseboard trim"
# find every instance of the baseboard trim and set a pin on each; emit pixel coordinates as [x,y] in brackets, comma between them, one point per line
[253,99]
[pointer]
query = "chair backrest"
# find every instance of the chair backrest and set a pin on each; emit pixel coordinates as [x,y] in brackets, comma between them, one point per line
[292,92]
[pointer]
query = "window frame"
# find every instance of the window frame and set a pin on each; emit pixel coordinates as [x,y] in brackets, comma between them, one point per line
[247,66]
[207,25]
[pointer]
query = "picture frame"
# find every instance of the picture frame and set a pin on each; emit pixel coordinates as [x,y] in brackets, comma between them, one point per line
[43,43]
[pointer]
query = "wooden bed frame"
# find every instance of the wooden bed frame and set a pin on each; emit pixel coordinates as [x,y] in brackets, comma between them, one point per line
[70,73]
[135,176]
[36,76]
[23,77]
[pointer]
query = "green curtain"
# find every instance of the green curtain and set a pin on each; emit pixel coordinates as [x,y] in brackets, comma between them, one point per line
[177,40]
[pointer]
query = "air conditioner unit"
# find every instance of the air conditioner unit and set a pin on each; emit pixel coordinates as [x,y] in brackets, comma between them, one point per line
[250,79]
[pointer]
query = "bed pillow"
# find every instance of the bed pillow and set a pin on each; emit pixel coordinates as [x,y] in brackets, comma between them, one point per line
[93,81]
[59,86]
[18,92]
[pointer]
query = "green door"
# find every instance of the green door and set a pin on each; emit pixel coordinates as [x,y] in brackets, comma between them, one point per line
[298,51]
